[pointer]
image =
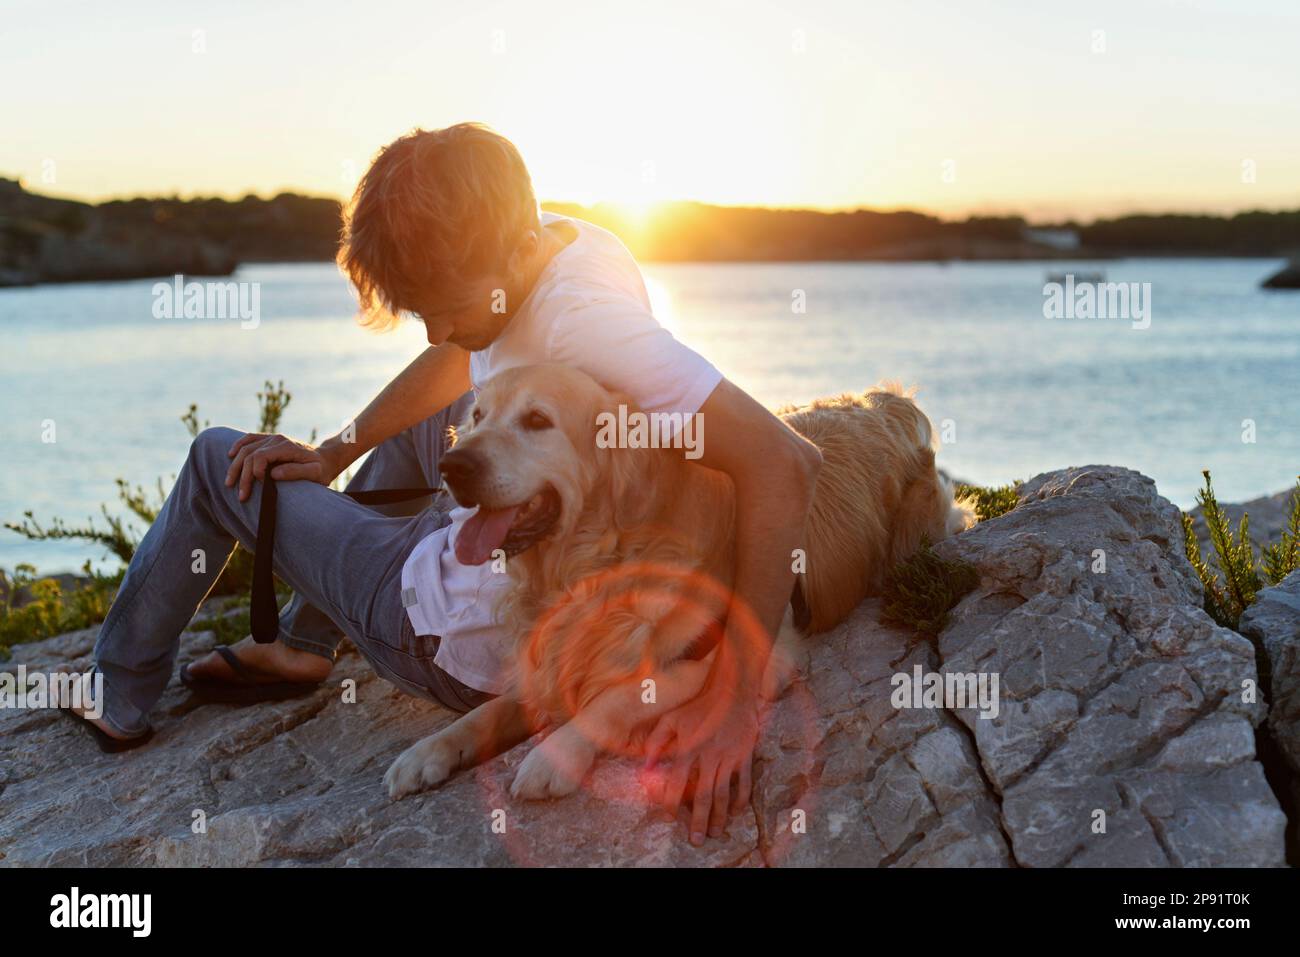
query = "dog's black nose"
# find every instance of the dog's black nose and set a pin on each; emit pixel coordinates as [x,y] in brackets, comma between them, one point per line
[459,466]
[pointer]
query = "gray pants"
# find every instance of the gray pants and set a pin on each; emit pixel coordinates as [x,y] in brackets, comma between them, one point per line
[342,559]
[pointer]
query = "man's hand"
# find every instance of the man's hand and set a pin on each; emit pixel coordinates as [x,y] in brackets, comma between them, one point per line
[774,470]
[713,739]
[433,381]
[286,458]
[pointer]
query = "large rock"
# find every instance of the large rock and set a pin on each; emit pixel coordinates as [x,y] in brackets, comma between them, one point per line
[298,782]
[876,785]
[1274,621]
[1122,701]
[1118,694]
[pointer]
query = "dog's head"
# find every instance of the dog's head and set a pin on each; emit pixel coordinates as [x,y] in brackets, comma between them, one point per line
[527,456]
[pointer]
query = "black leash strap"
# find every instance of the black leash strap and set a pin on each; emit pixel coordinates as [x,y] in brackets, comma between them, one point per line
[264,613]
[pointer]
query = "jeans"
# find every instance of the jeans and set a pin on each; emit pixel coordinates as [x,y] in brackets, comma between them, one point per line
[343,560]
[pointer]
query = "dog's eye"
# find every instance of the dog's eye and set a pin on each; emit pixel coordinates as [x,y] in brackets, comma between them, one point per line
[537,420]
[475,416]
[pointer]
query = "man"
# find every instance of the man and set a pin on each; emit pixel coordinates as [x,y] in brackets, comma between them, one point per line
[445,227]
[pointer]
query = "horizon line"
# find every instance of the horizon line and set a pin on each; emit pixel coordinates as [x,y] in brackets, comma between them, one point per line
[649,205]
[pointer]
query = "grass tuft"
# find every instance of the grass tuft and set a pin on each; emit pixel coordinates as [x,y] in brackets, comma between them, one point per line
[921,590]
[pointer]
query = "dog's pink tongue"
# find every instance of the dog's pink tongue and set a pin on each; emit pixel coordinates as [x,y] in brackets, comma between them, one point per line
[483,533]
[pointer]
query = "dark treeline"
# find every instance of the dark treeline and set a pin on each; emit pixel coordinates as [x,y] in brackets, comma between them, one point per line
[288,227]
[693,231]
[684,232]
[43,239]
[1253,233]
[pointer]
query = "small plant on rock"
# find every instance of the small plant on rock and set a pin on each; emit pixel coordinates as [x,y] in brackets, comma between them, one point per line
[32,607]
[989,502]
[1228,597]
[1283,557]
[921,590]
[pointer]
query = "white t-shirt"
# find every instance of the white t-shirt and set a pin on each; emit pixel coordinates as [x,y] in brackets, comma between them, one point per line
[589,309]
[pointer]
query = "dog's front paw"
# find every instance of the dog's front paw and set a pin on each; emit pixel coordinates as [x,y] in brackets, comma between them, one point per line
[425,764]
[555,767]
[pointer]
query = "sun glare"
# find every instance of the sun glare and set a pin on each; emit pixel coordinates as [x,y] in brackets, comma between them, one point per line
[637,212]
[661,304]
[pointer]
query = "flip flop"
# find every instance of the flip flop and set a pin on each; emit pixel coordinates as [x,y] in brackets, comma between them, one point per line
[244,688]
[107,743]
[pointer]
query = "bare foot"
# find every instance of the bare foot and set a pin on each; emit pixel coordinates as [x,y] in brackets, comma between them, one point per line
[273,662]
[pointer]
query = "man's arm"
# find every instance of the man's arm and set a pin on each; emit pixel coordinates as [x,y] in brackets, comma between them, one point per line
[774,470]
[434,380]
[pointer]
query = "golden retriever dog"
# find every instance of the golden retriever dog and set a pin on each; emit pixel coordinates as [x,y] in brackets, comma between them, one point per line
[621,559]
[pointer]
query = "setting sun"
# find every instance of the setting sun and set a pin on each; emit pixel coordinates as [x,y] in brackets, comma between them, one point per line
[777,104]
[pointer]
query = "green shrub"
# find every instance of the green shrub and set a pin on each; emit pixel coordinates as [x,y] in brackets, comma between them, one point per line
[229,619]
[1283,557]
[230,624]
[1227,597]
[920,591]
[989,502]
[52,608]
[117,538]
[47,609]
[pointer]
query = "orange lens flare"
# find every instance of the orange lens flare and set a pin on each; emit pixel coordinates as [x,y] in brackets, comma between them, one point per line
[619,598]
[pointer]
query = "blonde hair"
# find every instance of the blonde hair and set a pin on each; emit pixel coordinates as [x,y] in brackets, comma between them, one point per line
[436,209]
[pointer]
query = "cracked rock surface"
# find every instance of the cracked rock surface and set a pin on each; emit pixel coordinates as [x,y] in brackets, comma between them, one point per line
[1120,703]
[1274,620]
[1119,695]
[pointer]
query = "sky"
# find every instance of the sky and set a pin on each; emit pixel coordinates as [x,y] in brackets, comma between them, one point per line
[1053,109]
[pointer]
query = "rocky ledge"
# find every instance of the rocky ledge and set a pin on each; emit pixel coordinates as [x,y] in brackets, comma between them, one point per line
[1125,734]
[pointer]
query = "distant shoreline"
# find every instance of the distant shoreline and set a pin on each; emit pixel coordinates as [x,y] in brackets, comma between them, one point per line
[871,260]
[49,240]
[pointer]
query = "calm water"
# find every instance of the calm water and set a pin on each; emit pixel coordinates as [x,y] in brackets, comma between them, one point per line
[1023,393]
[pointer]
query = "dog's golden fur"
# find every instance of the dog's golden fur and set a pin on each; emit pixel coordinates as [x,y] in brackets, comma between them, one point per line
[582,628]
[878,494]
[641,559]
